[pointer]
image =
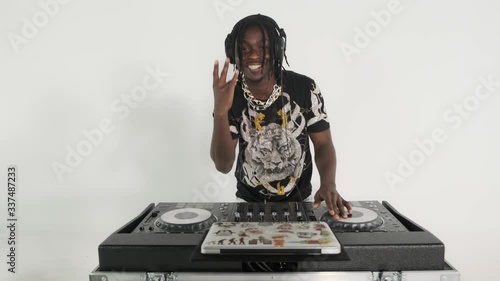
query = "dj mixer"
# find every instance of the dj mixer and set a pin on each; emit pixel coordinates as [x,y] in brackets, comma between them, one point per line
[165,239]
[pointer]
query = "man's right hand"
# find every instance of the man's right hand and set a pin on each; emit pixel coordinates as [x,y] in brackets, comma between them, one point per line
[223,91]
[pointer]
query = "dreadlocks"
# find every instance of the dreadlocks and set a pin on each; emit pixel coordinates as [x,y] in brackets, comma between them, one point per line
[267,27]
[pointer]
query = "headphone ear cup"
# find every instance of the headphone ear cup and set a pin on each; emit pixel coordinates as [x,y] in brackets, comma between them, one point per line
[280,49]
[228,44]
[280,46]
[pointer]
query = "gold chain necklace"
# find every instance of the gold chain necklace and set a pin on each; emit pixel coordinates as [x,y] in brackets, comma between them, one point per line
[258,104]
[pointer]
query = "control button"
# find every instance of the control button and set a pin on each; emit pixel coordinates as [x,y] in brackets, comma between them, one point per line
[299,216]
[274,216]
[287,216]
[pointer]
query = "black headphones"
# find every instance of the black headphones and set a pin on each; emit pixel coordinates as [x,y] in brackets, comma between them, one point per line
[231,42]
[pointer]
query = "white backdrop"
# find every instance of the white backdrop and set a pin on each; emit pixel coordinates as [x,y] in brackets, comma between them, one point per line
[106,107]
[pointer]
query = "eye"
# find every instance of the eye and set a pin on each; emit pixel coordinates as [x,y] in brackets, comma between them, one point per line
[283,148]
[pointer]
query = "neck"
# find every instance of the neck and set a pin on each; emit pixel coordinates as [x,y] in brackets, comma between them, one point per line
[262,89]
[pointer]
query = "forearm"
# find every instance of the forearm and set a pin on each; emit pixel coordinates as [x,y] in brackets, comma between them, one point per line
[326,162]
[222,146]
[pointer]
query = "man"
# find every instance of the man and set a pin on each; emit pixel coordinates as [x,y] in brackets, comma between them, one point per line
[272,113]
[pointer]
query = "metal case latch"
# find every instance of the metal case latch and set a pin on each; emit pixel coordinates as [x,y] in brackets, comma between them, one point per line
[157,276]
[387,276]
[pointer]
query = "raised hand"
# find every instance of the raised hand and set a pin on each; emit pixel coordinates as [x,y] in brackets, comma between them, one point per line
[223,91]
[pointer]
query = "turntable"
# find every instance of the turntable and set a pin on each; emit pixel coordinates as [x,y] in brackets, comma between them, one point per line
[166,238]
[182,218]
[362,219]
[367,216]
[185,220]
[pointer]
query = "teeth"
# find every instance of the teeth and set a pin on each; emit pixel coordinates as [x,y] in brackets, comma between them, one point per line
[254,66]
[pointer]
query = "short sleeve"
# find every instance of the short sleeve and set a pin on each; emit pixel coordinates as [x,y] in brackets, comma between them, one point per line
[317,119]
[233,125]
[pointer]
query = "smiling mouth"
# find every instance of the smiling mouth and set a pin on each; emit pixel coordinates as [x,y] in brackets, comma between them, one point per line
[254,66]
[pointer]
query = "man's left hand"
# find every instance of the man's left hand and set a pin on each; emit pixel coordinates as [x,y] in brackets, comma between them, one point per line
[337,206]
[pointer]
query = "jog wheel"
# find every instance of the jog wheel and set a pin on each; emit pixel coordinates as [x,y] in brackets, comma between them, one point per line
[186,220]
[362,220]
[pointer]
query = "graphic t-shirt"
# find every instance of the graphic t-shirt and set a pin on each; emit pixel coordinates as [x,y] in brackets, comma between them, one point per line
[274,160]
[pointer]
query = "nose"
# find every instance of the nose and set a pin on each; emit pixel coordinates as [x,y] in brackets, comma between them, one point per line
[275,157]
[255,53]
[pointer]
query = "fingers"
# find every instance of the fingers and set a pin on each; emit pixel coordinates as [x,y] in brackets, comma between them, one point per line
[335,208]
[223,75]
[348,205]
[317,200]
[342,208]
[216,74]
[330,205]
[232,83]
